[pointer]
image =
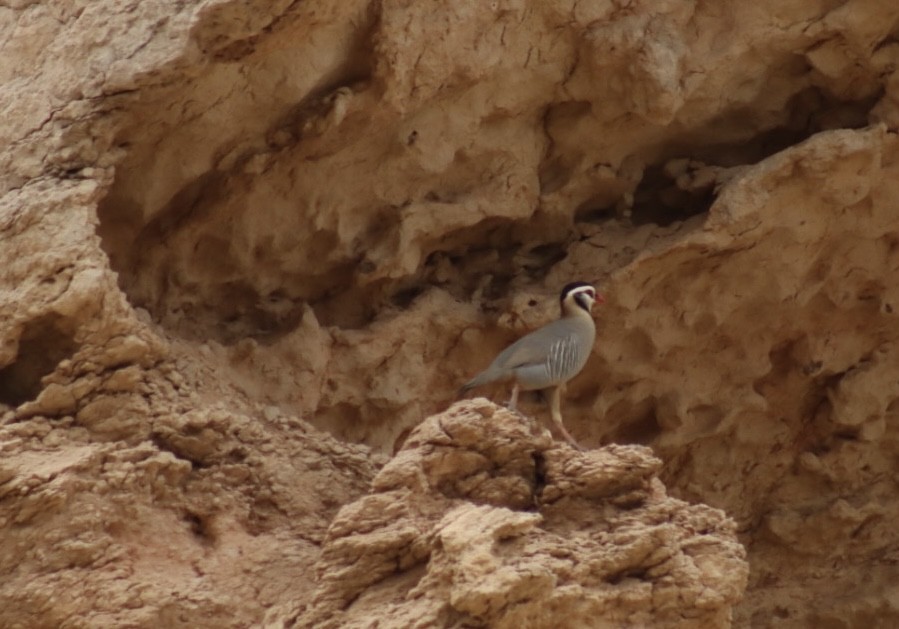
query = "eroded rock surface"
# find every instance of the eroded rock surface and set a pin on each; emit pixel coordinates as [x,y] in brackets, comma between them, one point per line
[197,516]
[228,227]
[478,522]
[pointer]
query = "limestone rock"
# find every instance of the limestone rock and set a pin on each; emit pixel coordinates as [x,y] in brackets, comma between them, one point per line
[247,247]
[168,530]
[477,522]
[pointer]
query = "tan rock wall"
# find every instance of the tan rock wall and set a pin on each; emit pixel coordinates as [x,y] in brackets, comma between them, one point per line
[225,222]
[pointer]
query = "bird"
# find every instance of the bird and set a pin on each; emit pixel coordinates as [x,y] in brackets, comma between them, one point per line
[550,356]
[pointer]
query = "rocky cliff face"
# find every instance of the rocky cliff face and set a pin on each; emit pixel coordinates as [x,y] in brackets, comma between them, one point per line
[229,228]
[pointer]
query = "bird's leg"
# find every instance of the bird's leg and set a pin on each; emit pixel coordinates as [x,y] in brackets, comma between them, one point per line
[555,406]
[513,401]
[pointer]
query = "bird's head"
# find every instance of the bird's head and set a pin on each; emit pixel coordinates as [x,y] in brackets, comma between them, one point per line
[579,296]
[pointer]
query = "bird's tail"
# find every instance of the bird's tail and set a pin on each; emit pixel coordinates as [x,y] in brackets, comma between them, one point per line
[485,377]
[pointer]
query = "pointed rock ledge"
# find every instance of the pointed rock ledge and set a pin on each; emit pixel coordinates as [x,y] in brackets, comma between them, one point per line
[480,522]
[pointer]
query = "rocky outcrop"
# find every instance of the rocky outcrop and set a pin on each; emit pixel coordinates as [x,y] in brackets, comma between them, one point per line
[193,520]
[231,228]
[479,522]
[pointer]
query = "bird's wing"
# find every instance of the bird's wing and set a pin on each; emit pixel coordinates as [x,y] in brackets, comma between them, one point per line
[533,348]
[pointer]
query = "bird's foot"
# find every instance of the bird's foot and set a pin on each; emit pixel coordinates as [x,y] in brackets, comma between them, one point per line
[512,408]
[574,444]
[568,437]
[532,423]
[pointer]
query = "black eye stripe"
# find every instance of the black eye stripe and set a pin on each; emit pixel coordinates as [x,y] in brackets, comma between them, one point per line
[581,301]
[579,293]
